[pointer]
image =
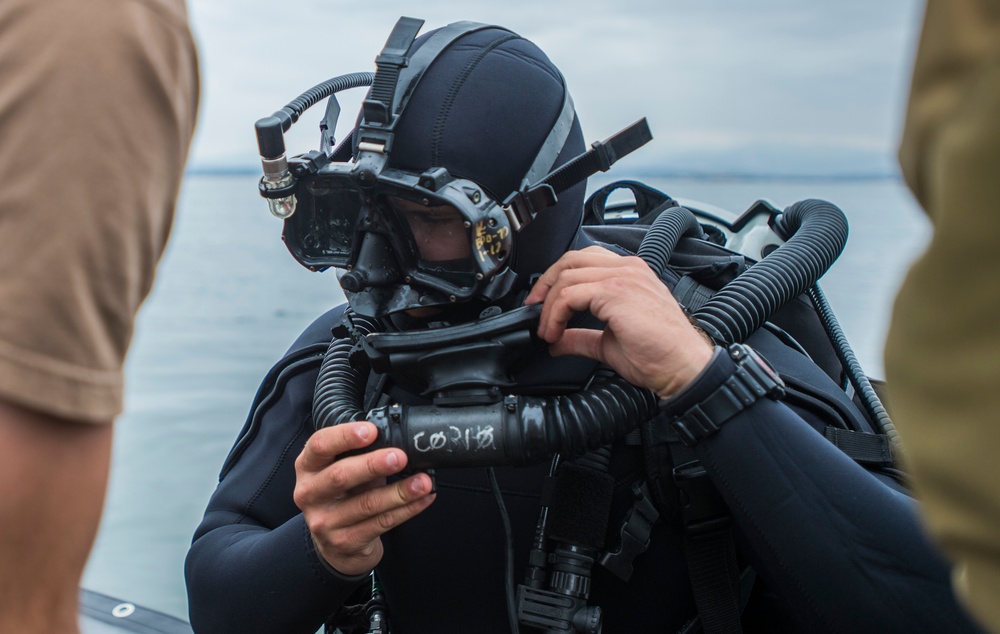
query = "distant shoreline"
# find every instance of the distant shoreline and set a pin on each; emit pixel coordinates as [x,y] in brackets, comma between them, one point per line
[643,174]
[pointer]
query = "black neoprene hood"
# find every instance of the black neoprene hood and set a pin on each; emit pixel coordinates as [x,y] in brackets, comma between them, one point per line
[482,110]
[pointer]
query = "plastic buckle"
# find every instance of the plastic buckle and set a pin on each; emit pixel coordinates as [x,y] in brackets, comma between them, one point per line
[635,534]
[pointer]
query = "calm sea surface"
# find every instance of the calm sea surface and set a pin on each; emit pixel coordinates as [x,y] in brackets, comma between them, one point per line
[229,299]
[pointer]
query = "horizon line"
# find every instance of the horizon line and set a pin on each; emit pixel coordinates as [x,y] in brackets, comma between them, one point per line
[234,170]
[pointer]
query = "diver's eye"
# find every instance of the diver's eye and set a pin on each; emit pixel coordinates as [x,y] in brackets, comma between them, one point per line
[431,218]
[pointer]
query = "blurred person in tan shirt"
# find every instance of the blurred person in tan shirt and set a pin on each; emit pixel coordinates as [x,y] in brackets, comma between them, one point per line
[97,108]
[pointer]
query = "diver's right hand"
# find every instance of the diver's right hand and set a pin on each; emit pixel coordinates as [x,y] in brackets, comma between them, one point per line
[347,503]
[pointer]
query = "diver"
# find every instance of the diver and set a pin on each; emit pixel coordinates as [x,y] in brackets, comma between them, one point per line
[454,214]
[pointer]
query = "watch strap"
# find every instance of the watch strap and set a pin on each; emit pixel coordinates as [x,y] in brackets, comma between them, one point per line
[751,380]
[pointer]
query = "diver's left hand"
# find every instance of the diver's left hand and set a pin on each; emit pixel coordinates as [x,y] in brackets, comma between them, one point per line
[648,339]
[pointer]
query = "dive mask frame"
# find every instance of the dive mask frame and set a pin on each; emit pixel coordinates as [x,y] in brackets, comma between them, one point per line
[326,231]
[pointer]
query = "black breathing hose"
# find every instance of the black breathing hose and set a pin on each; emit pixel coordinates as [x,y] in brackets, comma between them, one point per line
[339,393]
[584,421]
[815,232]
[523,430]
[519,430]
[669,227]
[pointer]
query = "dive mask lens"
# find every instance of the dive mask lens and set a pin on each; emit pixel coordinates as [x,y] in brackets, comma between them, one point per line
[338,206]
[438,237]
[324,229]
[439,233]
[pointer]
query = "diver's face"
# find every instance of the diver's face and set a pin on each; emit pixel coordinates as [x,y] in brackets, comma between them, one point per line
[439,232]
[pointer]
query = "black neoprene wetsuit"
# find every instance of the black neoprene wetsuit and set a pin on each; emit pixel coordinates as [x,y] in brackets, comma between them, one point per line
[835,548]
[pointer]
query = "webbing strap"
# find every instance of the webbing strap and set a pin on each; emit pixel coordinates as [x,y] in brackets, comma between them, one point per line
[709,546]
[601,156]
[389,63]
[423,56]
[522,206]
[555,140]
[863,448]
[714,574]
[691,294]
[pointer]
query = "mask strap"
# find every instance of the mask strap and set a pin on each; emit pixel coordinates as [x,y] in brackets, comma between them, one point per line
[389,63]
[397,78]
[522,206]
[422,58]
[554,142]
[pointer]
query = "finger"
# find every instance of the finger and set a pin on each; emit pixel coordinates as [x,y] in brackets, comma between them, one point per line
[624,284]
[340,479]
[326,444]
[577,291]
[384,522]
[388,501]
[345,545]
[560,306]
[590,256]
[621,274]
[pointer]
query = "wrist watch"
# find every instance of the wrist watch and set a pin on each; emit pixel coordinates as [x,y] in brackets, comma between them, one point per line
[752,379]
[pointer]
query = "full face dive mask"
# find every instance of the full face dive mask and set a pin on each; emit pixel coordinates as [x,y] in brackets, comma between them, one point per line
[406,239]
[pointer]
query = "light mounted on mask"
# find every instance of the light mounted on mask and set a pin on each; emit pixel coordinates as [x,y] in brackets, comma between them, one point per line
[406,239]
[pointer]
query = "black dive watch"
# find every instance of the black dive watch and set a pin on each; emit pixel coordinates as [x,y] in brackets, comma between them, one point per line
[752,379]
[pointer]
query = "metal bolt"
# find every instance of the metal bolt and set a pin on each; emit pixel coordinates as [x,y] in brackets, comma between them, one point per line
[510,402]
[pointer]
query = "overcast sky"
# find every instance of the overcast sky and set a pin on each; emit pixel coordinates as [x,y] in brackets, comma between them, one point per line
[761,86]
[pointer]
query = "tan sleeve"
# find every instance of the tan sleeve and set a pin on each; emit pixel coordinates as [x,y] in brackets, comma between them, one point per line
[943,348]
[97,109]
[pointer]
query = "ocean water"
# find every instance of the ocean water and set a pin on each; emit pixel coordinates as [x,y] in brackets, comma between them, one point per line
[229,299]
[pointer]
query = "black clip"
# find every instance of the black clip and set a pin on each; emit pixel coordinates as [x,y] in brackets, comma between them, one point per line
[635,532]
[522,206]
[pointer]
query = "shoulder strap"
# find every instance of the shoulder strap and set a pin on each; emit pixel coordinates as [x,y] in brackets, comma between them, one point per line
[709,547]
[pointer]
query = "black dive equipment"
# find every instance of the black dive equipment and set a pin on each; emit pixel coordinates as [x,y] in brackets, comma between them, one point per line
[471,421]
[346,206]
[471,365]
[383,225]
